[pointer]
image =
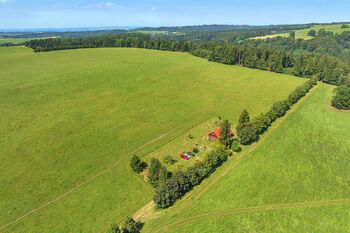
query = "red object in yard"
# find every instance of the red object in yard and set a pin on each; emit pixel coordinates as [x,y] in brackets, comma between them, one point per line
[216,134]
[185,157]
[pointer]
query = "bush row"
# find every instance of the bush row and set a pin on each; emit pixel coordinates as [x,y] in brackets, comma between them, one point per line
[341,99]
[171,187]
[249,131]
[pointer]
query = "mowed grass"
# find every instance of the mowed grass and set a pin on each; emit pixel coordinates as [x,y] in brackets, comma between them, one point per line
[336,29]
[305,160]
[67,116]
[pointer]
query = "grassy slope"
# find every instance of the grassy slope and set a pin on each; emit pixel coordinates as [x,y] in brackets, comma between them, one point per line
[68,115]
[336,28]
[18,40]
[306,159]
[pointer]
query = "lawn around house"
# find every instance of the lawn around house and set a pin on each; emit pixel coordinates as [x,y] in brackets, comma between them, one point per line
[73,119]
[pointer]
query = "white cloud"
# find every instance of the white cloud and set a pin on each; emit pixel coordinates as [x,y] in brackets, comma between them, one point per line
[110,4]
[154,8]
[4,1]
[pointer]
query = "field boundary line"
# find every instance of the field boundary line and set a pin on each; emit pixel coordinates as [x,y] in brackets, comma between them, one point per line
[220,213]
[86,181]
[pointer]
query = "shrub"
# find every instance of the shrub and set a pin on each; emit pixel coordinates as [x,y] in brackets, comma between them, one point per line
[235,146]
[131,226]
[341,99]
[114,229]
[136,164]
[312,32]
[168,159]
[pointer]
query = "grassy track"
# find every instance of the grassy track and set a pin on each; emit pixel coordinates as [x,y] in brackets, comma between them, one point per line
[69,116]
[305,160]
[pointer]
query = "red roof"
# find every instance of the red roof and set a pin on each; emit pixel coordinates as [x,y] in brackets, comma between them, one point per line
[216,134]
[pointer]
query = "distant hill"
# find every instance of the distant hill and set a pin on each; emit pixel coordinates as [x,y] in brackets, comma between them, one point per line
[214,27]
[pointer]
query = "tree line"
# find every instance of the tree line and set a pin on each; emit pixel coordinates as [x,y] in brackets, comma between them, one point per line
[341,98]
[323,42]
[171,186]
[249,130]
[326,68]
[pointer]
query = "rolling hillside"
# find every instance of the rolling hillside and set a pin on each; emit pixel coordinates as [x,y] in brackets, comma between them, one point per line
[72,119]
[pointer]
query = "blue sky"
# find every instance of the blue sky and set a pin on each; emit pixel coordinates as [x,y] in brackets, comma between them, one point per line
[95,13]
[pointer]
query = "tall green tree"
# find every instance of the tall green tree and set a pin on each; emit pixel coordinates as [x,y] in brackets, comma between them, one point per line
[247,134]
[244,117]
[153,172]
[225,133]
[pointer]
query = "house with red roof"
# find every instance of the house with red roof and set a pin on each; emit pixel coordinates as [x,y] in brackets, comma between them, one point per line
[215,135]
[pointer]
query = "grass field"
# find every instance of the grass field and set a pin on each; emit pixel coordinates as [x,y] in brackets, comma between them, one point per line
[296,180]
[72,119]
[336,28]
[18,40]
[152,32]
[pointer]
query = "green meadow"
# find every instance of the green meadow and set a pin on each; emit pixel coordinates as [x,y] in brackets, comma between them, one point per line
[296,180]
[151,32]
[72,119]
[17,40]
[335,28]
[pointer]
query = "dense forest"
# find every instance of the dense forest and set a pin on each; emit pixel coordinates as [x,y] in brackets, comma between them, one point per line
[324,67]
[323,42]
[218,27]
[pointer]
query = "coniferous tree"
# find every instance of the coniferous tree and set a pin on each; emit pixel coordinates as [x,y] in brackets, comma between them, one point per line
[225,133]
[244,117]
[153,172]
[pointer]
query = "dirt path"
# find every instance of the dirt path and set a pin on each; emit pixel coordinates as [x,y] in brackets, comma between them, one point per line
[141,211]
[148,214]
[212,214]
[85,182]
